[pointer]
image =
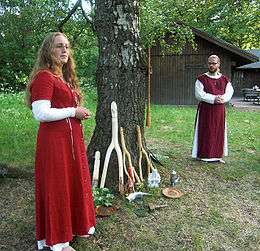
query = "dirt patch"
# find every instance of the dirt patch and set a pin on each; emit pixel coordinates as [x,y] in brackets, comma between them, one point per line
[17,214]
[16,172]
[239,104]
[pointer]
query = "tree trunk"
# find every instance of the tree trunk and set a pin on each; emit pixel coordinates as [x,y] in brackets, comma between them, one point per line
[121,78]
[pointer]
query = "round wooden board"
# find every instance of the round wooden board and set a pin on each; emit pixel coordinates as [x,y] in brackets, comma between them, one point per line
[170,192]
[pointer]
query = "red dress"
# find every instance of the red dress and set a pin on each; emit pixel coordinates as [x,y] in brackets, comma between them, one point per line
[64,203]
[211,123]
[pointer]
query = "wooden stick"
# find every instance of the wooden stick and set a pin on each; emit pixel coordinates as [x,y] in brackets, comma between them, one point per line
[133,175]
[114,145]
[139,141]
[124,152]
[104,173]
[142,151]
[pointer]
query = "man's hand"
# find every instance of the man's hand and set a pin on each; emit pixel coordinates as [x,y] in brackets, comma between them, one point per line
[219,100]
[82,113]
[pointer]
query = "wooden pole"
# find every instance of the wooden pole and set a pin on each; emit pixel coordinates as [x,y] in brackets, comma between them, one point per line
[148,111]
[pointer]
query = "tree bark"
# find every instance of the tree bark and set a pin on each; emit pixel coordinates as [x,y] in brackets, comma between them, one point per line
[120,77]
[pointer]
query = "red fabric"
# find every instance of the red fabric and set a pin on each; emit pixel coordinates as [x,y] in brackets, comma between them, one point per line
[211,124]
[64,203]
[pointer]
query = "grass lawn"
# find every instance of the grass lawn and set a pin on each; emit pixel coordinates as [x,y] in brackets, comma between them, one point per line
[220,208]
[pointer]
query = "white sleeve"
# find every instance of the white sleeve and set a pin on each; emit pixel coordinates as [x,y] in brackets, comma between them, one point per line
[43,112]
[228,92]
[201,95]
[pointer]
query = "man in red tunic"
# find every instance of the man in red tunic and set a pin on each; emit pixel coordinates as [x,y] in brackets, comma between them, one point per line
[213,90]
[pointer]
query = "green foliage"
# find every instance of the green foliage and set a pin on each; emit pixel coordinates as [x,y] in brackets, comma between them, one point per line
[160,21]
[86,54]
[23,26]
[102,197]
[237,22]
[17,132]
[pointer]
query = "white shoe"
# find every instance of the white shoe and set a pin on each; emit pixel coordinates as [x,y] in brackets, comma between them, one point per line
[69,248]
[90,232]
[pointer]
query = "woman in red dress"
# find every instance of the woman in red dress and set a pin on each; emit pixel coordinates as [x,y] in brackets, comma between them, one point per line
[64,203]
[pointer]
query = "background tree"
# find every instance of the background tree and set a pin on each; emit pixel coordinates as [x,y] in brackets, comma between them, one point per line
[24,24]
[160,19]
[237,22]
[120,78]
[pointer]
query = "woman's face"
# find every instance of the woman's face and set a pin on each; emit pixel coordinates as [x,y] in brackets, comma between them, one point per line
[61,49]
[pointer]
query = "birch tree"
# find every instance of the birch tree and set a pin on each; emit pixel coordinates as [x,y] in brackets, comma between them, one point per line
[120,77]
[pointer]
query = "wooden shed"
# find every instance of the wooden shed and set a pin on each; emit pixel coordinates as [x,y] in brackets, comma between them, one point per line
[248,75]
[173,76]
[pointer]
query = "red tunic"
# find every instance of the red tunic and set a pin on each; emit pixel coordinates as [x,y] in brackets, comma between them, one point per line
[211,123]
[64,203]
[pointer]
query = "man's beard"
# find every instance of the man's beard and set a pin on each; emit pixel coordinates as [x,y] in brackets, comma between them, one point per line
[213,71]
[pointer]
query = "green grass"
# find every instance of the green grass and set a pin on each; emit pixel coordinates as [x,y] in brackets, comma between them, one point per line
[18,129]
[218,211]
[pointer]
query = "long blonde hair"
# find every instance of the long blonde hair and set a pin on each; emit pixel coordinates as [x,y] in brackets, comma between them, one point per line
[47,61]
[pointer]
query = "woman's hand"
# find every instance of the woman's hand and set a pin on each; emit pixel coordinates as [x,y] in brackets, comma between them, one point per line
[82,113]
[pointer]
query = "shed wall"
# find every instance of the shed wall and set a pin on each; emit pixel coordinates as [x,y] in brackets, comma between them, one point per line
[173,76]
[245,79]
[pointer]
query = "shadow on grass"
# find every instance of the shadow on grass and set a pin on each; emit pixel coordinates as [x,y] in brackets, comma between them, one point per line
[15,172]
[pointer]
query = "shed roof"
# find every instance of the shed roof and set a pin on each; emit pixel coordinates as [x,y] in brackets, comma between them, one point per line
[255,65]
[256,52]
[222,43]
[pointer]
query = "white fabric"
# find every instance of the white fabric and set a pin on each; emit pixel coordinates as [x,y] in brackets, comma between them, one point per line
[195,143]
[201,95]
[91,231]
[43,112]
[215,75]
[194,153]
[213,160]
[41,244]
[228,93]
[59,246]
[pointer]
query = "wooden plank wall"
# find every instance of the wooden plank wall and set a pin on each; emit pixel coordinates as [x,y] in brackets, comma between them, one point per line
[245,79]
[173,76]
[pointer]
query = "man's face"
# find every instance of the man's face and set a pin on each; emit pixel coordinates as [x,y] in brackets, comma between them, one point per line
[213,64]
